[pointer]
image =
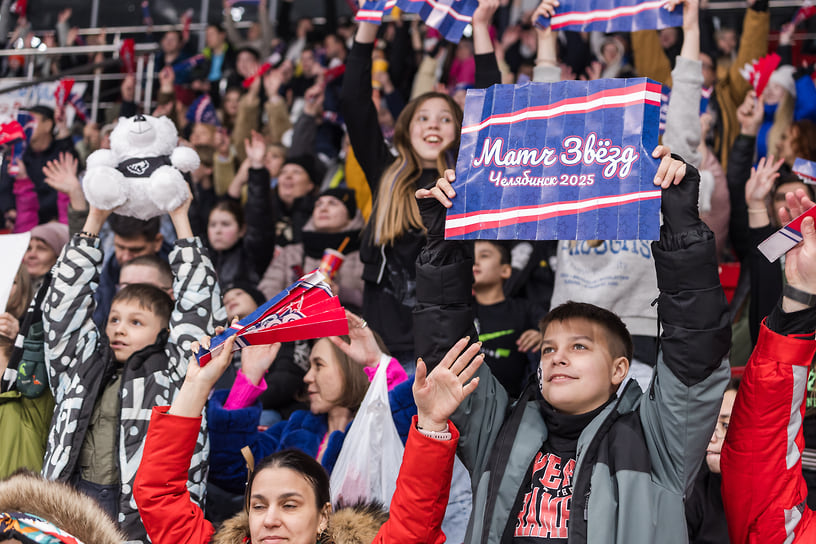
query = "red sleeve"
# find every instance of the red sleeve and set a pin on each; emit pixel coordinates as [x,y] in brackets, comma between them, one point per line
[423,487]
[763,489]
[160,489]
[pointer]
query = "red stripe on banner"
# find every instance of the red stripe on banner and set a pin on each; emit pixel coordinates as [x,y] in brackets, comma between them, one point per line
[561,20]
[442,7]
[480,220]
[648,93]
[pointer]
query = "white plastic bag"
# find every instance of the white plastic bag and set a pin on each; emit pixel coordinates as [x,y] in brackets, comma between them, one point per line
[370,459]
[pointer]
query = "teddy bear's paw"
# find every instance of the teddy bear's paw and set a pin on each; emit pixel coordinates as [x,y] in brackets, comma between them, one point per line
[167,188]
[185,159]
[104,187]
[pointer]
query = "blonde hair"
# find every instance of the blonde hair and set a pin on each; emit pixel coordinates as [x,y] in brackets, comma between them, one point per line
[21,297]
[782,121]
[396,210]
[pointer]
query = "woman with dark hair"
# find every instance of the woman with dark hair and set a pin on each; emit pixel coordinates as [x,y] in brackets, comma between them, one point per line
[426,137]
[287,494]
[339,372]
[240,243]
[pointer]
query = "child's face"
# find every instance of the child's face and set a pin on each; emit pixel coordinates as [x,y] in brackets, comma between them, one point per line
[223,230]
[432,129]
[487,267]
[578,372]
[330,215]
[238,303]
[718,438]
[131,327]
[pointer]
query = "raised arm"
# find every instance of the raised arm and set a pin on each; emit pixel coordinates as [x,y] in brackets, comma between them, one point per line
[683,132]
[443,317]
[680,408]
[70,334]
[424,481]
[160,488]
[198,308]
[358,109]
[259,240]
[764,441]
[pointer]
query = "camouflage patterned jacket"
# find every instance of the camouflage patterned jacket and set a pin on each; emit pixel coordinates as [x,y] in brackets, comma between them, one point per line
[79,356]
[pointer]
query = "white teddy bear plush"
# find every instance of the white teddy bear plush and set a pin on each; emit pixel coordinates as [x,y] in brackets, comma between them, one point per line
[141,174]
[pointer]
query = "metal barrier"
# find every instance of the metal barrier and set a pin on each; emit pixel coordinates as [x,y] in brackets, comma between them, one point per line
[145,63]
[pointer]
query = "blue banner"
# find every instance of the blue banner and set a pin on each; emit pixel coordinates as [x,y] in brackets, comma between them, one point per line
[612,16]
[449,17]
[558,161]
[373,10]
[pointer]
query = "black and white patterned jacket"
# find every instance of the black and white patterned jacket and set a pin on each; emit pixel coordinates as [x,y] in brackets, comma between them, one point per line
[79,356]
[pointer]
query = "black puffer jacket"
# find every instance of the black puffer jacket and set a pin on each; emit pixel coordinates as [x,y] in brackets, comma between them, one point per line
[247,260]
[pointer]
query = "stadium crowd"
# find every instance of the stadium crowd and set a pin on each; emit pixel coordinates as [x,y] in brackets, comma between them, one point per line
[545,391]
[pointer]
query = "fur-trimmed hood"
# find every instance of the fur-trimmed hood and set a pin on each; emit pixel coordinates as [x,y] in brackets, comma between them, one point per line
[356,524]
[60,504]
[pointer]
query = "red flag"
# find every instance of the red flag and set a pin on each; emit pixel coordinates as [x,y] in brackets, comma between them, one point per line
[10,132]
[807,11]
[127,54]
[20,7]
[759,72]
[304,310]
[63,91]
[265,67]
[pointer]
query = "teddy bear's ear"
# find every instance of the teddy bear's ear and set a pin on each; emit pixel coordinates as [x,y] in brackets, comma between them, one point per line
[168,127]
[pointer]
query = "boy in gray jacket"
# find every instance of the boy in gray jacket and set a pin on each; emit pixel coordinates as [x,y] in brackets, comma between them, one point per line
[576,460]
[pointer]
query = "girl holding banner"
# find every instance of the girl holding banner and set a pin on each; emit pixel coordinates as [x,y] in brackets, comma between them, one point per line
[426,138]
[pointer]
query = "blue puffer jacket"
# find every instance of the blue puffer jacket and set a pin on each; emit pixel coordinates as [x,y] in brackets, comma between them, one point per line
[231,430]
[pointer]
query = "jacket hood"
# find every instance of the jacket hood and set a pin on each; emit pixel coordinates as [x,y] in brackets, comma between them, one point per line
[60,504]
[356,524]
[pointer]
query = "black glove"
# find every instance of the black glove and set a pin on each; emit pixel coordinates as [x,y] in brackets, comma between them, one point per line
[433,217]
[679,203]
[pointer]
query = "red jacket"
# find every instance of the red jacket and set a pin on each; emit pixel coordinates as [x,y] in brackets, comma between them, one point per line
[160,488]
[763,489]
[169,516]
[423,485]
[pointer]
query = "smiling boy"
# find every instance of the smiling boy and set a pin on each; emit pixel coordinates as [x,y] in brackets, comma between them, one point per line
[578,459]
[105,384]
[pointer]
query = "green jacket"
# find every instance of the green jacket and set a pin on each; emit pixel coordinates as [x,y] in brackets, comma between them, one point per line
[24,425]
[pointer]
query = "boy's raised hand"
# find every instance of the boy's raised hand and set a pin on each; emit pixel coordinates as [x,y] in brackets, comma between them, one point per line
[439,394]
[679,201]
[800,262]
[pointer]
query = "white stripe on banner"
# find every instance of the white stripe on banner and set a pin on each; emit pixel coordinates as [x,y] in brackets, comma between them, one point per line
[440,11]
[520,215]
[547,112]
[577,17]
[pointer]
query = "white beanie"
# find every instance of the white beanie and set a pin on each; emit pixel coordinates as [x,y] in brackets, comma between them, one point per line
[784,76]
